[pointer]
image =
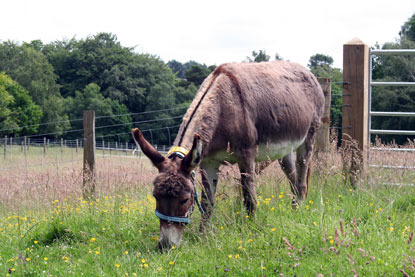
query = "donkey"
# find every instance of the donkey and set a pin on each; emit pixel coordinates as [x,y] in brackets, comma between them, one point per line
[243,113]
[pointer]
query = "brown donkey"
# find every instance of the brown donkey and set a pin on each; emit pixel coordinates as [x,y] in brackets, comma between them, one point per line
[242,113]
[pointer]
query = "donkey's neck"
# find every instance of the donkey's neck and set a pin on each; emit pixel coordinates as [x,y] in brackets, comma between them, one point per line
[201,117]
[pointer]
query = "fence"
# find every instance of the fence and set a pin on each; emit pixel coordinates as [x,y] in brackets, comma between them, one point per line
[387,114]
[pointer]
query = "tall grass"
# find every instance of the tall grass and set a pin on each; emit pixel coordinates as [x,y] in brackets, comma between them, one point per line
[46,229]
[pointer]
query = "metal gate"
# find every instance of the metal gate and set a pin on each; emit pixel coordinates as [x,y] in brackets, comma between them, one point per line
[388,114]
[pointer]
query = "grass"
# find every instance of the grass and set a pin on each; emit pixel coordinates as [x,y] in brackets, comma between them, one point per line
[337,230]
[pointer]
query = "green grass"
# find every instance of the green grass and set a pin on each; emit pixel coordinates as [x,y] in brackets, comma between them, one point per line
[335,231]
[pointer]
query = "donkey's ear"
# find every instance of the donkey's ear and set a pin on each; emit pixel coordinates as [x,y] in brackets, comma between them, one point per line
[155,157]
[194,157]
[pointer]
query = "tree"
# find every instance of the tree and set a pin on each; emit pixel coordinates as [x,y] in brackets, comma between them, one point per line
[319,60]
[197,74]
[408,29]
[402,99]
[90,98]
[30,68]
[321,66]
[18,114]
[257,57]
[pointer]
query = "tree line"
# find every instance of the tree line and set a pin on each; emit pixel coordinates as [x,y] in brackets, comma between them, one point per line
[44,88]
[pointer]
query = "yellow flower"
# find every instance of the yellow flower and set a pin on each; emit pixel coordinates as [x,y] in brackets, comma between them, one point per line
[280,196]
[93,240]
[237,256]
[221,227]
[247,216]
[28,259]
[143,260]
[230,256]
[315,223]
[173,247]
[371,204]
[331,241]
[117,265]
[45,258]
[273,229]
[264,268]
[311,202]
[64,258]
[145,265]
[171,262]
[125,252]
[97,252]
[35,242]
[250,240]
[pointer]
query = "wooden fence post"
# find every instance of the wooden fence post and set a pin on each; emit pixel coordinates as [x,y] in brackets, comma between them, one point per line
[5,146]
[323,133]
[89,179]
[355,105]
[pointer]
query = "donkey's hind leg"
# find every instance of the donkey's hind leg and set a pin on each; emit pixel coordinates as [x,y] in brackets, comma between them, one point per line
[246,167]
[288,166]
[304,154]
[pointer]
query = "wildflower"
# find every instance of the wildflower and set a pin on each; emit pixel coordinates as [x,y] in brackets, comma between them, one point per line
[93,240]
[45,258]
[311,202]
[230,256]
[173,247]
[35,242]
[143,260]
[371,204]
[247,216]
[145,265]
[331,241]
[117,265]
[125,252]
[264,268]
[28,259]
[238,213]
[221,227]
[272,209]
[280,196]
[273,229]
[65,259]
[171,263]
[315,223]
[96,252]
[250,240]
[237,256]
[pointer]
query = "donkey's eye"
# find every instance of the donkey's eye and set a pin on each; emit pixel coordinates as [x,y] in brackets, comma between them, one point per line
[182,202]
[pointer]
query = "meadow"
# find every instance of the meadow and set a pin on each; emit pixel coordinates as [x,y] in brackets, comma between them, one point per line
[48,229]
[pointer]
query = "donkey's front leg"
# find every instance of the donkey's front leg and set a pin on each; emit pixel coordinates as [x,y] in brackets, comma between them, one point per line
[246,167]
[209,174]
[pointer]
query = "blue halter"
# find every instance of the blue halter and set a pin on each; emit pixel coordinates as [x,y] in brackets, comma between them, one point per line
[182,219]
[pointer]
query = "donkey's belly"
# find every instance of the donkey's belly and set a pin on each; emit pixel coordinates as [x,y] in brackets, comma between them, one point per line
[276,150]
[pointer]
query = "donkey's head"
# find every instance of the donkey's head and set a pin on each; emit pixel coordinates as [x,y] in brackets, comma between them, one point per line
[173,187]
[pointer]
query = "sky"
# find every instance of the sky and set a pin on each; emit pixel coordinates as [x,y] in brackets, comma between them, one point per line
[214,31]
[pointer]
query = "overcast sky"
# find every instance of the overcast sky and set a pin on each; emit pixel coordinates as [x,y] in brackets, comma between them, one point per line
[211,31]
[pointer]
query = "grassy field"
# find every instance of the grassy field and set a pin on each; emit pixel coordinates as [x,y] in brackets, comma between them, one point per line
[46,229]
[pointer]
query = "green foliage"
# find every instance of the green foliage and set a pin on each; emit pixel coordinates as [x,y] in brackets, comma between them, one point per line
[399,68]
[336,231]
[321,66]
[196,74]
[91,99]
[408,29]
[30,68]
[18,113]
[258,57]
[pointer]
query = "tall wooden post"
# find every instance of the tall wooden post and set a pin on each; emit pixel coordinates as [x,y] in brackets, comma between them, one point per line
[89,173]
[355,105]
[44,146]
[323,133]
[5,146]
